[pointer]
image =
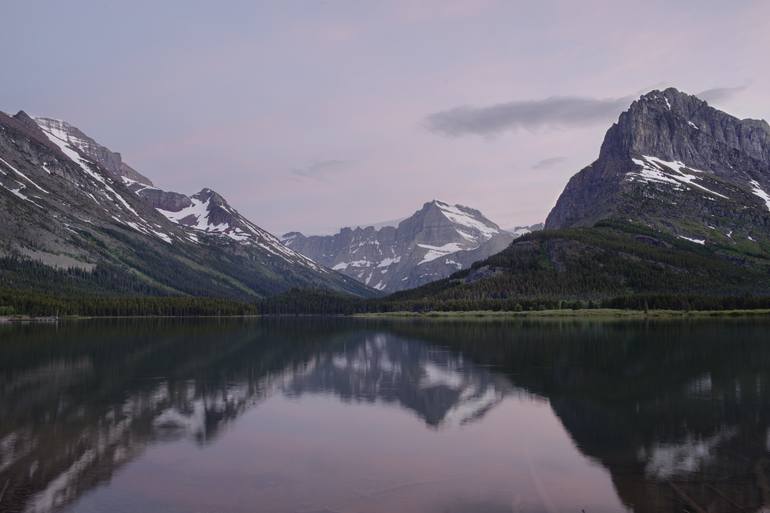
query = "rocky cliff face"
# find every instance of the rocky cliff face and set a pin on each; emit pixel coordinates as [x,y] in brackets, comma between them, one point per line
[108,159]
[673,162]
[69,202]
[438,240]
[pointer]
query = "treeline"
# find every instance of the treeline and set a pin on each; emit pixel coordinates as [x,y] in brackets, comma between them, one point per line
[321,302]
[43,304]
[318,302]
[27,274]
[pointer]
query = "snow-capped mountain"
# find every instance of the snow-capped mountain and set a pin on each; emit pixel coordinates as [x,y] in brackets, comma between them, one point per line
[207,212]
[70,202]
[518,231]
[70,136]
[436,241]
[674,163]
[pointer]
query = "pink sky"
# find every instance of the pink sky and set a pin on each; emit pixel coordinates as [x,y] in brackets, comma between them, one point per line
[313,115]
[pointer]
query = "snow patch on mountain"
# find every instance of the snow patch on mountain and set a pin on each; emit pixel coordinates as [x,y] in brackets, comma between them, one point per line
[56,132]
[208,212]
[136,186]
[387,262]
[57,136]
[702,242]
[19,194]
[656,170]
[757,190]
[25,177]
[195,216]
[435,252]
[461,216]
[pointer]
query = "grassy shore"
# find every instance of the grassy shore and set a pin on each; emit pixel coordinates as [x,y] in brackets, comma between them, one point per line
[597,314]
[565,314]
[24,319]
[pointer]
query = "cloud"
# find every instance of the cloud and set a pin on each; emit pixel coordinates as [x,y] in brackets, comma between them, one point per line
[720,94]
[548,163]
[320,170]
[555,111]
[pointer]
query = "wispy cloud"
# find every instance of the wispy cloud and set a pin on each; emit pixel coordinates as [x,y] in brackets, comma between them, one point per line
[548,163]
[720,94]
[321,170]
[555,111]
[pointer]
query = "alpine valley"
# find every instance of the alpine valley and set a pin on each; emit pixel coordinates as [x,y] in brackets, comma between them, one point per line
[675,209]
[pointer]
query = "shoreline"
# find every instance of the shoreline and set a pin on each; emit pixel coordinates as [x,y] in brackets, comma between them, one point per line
[28,319]
[583,314]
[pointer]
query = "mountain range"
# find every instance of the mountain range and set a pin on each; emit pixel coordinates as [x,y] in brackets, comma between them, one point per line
[436,241]
[677,202]
[72,204]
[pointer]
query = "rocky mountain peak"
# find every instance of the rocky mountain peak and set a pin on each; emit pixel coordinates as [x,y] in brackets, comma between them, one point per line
[209,195]
[26,120]
[669,100]
[468,222]
[435,241]
[677,126]
[675,163]
[63,133]
[71,202]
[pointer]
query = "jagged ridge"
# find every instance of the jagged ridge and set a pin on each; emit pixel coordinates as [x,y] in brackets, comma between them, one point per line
[434,242]
[675,163]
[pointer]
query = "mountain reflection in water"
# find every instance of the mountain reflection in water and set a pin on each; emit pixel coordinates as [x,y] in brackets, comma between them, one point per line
[350,416]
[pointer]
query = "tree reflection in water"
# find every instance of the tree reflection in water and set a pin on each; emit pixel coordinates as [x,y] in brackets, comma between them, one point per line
[676,412]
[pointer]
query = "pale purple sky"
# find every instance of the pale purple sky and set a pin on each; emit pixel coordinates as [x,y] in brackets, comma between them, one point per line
[310,115]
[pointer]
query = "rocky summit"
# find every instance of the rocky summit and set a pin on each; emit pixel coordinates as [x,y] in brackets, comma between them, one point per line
[677,204]
[436,241]
[76,218]
[674,163]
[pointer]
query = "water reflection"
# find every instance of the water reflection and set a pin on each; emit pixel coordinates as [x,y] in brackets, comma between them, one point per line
[437,384]
[677,413]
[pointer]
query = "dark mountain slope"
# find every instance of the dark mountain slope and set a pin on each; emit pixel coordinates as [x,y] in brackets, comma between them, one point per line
[606,261]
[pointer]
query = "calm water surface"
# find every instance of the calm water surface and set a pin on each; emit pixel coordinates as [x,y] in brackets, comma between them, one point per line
[335,416]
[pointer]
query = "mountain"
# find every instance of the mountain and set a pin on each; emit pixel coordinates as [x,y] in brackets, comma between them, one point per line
[434,242]
[677,203]
[112,162]
[518,231]
[676,164]
[605,262]
[72,204]
[217,372]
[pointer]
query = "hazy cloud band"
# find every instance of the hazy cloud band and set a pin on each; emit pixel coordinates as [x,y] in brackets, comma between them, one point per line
[528,114]
[556,111]
[548,163]
[321,170]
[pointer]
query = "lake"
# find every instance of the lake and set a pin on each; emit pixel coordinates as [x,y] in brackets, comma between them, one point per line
[358,416]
